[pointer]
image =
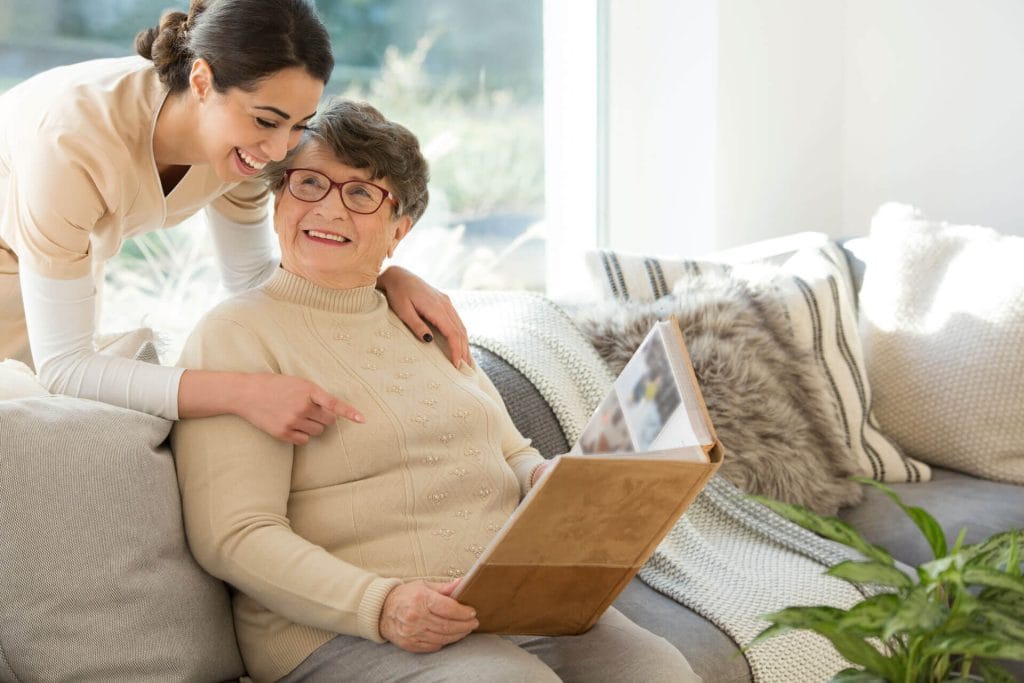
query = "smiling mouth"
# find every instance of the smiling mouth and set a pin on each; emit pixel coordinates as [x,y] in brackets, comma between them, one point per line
[330,236]
[249,161]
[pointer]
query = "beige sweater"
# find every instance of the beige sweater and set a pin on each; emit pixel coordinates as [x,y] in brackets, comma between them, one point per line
[314,537]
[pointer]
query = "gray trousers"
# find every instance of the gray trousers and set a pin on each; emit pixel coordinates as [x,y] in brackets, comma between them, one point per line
[615,649]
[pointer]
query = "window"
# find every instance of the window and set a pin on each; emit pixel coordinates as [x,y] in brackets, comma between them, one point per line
[465,76]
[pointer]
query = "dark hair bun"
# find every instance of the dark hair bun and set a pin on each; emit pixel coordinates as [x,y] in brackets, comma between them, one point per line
[166,45]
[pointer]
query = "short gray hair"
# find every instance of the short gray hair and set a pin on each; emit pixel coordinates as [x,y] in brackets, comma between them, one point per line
[361,137]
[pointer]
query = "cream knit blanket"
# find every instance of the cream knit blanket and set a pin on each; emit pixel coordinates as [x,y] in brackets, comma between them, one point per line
[728,559]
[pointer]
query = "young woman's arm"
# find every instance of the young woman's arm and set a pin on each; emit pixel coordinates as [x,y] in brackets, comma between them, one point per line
[417,304]
[247,253]
[60,315]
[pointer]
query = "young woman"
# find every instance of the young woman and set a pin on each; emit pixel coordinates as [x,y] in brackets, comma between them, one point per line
[96,152]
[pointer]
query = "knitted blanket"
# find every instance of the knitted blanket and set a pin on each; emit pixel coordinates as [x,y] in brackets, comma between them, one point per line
[728,558]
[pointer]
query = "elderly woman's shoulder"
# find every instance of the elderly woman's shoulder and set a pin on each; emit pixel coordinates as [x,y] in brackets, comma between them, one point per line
[249,309]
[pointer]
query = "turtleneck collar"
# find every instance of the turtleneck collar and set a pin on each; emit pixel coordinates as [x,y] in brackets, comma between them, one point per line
[286,286]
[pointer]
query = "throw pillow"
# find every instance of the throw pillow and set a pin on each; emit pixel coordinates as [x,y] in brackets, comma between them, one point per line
[768,401]
[97,580]
[635,277]
[18,381]
[942,318]
[810,276]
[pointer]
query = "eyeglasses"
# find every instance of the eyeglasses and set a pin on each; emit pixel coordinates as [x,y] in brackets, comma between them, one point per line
[358,196]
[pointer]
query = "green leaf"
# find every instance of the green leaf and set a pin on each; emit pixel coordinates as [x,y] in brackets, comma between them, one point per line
[994,673]
[930,528]
[991,646]
[770,632]
[984,576]
[1013,567]
[856,676]
[917,614]
[871,572]
[830,527]
[804,616]
[998,621]
[824,620]
[869,616]
[859,651]
[1007,602]
[993,550]
[931,572]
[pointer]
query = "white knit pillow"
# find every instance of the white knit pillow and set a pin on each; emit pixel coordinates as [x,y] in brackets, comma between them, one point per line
[813,280]
[942,319]
[18,381]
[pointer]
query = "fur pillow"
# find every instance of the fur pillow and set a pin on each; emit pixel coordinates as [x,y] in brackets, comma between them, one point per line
[767,397]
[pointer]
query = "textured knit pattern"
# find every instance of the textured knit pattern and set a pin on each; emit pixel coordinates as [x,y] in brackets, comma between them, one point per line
[942,315]
[96,580]
[812,279]
[315,536]
[728,559]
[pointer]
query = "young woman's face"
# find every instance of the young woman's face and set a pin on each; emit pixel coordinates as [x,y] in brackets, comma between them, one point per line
[241,131]
[325,242]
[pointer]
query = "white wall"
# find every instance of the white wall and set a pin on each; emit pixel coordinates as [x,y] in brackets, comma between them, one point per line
[780,101]
[757,118]
[934,111]
[661,122]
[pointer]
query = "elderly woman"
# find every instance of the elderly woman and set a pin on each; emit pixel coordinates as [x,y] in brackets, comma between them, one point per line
[344,551]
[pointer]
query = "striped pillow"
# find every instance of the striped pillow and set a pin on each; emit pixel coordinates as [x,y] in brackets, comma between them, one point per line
[811,276]
[816,287]
[636,278]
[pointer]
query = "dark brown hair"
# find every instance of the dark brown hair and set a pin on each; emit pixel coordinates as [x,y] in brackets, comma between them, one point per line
[244,41]
[361,137]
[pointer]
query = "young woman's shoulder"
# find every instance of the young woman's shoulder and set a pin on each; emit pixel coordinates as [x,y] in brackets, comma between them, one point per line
[109,102]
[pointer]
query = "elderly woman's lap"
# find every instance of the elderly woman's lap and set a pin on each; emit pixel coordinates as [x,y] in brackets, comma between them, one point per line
[615,649]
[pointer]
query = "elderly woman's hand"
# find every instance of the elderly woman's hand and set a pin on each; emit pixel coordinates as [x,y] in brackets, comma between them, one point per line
[420,616]
[414,301]
[291,409]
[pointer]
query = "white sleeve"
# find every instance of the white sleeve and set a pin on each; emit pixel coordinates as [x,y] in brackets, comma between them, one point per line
[247,252]
[61,320]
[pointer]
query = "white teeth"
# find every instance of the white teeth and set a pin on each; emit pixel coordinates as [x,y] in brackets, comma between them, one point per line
[250,162]
[327,236]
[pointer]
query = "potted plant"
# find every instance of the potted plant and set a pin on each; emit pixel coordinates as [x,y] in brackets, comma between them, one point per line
[947,620]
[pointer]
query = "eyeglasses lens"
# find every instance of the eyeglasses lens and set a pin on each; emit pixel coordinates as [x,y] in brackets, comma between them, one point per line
[311,186]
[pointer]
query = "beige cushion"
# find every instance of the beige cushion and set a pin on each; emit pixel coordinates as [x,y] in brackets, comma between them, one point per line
[810,277]
[97,581]
[17,380]
[942,318]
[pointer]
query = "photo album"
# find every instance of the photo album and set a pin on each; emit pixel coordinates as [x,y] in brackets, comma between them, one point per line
[599,512]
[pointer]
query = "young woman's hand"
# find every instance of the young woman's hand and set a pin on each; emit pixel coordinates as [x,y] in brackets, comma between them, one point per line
[421,616]
[291,409]
[417,303]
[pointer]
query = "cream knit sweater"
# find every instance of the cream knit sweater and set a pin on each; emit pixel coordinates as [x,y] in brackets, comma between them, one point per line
[314,537]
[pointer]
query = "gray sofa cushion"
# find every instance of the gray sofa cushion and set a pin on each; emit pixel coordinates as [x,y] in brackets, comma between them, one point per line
[956,500]
[530,413]
[97,582]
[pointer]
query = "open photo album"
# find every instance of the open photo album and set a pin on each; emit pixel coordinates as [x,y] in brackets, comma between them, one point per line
[598,513]
[654,407]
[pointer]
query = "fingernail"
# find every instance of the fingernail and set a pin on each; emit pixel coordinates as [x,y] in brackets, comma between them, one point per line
[427,337]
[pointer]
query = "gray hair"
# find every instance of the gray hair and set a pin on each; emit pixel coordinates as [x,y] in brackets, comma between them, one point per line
[361,137]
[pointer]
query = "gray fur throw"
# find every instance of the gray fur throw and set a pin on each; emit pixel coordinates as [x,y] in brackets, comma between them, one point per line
[767,398]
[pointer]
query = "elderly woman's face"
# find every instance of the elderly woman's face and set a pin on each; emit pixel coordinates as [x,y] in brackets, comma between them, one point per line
[325,242]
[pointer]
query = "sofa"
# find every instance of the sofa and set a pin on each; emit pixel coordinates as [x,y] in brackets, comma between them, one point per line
[96,582]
